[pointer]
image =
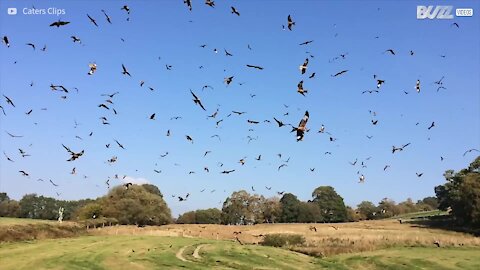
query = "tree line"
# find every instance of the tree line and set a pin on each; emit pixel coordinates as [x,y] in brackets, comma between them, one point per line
[145,205]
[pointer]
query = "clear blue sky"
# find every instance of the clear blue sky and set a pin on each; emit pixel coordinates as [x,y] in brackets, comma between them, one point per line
[167,29]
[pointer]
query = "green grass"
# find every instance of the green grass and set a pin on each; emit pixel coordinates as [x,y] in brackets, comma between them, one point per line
[155,252]
[21,221]
[421,214]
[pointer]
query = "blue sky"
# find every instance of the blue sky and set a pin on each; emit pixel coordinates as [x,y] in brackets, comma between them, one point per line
[163,33]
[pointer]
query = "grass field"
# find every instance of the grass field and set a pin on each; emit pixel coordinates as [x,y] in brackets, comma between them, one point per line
[384,244]
[157,252]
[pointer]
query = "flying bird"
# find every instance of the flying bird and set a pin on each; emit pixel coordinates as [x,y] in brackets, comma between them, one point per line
[256,67]
[73,155]
[301,127]
[31,45]
[306,42]
[389,51]
[5,41]
[59,23]
[300,88]
[290,22]
[125,71]
[339,73]
[107,17]
[303,67]
[235,11]
[197,101]
[417,86]
[126,8]
[9,101]
[470,150]
[92,20]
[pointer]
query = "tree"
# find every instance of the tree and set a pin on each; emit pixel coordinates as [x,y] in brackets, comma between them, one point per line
[461,194]
[135,205]
[331,204]
[387,208]
[187,218]
[367,210]
[242,208]
[428,203]
[289,205]
[8,207]
[309,212]
[271,210]
[208,216]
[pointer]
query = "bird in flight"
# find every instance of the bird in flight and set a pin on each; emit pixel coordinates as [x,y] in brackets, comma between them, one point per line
[417,86]
[210,3]
[290,22]
[470,150]
[5,41]
[306,42]
[228,80]
[256,67]
[93,68]
[31,45]
[389,51]
[235,11]
[301,126]
[227,171]
[107,17]
[394,149]
[197,101]
[59,23]
[125,71]
[339,73]
[9,101]
[431,126]
[303,67]
[73,155]
[300,88]
[93,20]
[126,8]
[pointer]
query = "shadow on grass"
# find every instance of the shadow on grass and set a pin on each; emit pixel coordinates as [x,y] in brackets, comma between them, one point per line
[444,222]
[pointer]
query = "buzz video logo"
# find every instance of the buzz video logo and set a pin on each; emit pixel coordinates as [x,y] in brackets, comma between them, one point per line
[12,11]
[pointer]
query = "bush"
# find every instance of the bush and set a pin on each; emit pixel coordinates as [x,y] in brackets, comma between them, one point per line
[281,240]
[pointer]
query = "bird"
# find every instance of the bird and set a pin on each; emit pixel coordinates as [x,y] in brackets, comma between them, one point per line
[419,174]
[227,53]
[107,17]
[389,51]
[227,171]
[306,42]
[152,117]
[127,185]
[197,101]
[24,173]
[73,155]
[339,73]
[59,23]
[31,45]
[188,3]
[228,80]
[125,71]
[394,149]
[119,144]
[379,83]
[301,126]
[235,11]
[303,67]
[431,126]
[281,166]
[255,67]
[386,167]
[189,138]
[93,68]
[280,123]
[455,24]
[312,75]
[300,89]
[9,101]
[417,86]
[75,39]
[210,3]
[470,150]
[361,179]
[5,41]
[92,20]
[126,8]
[290,22]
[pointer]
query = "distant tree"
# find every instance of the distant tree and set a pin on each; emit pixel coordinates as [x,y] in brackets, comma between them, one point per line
[135,205]
[92,210]
[367,210]
[428,203]
[408,206]
[38,207]
[289,208]
[331,204]
[242,208]
[387,208]
[461,194]
[8,207]
[208,216]
[187,218]
[309,212]
[352,215]
[271,210]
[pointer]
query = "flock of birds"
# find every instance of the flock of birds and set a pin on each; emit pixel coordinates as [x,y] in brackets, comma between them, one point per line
[298,130]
